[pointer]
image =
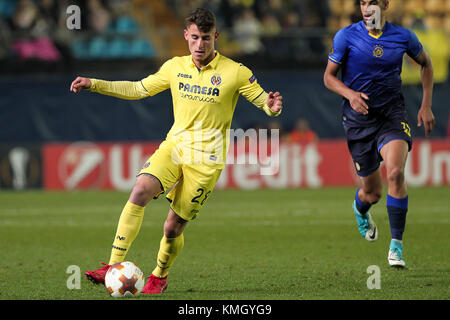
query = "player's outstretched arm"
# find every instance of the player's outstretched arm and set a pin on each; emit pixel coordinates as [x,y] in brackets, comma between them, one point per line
[357,99]
[129,90]
[425,115]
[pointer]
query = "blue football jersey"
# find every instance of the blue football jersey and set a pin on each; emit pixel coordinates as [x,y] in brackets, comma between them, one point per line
[373,64]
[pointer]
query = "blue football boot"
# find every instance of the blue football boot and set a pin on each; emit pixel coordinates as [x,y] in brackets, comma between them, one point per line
[366,226]
[395,256]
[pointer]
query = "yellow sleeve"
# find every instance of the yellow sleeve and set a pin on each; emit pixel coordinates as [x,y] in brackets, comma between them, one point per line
[130,90]
[133,90]
[250,89]
[158,81]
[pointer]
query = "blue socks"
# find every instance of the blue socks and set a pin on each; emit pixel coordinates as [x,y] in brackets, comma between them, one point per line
[397,209]
[361,206]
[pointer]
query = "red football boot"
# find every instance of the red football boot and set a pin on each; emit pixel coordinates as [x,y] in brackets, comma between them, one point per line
[97,276]
[155,285]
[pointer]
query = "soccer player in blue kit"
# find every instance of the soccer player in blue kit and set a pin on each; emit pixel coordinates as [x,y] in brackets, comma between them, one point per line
[370,56]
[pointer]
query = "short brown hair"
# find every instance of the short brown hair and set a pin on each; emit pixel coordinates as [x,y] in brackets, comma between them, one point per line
[204,19]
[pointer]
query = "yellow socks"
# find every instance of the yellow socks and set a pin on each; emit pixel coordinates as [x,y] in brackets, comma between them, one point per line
[168,251]
[129,225]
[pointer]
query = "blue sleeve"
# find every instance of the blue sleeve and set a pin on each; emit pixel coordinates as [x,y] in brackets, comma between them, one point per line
[414,46]
[339,49]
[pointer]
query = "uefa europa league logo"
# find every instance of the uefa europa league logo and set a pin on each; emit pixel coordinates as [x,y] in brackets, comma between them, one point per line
[375,20]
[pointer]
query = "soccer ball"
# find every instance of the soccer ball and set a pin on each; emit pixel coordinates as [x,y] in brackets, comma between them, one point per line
[124,280]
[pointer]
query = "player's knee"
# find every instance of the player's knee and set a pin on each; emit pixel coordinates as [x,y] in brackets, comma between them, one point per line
[144,190]
[171,232]
[375,197]
[174,226]
[140,195]
[396,176]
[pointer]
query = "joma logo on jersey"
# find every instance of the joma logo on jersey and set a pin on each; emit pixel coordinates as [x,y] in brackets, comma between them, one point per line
[183,75]
[210,91]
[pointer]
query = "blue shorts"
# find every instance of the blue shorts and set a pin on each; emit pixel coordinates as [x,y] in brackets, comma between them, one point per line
[365,142]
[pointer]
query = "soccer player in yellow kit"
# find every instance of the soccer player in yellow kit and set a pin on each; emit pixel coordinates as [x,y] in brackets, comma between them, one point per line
[205,87]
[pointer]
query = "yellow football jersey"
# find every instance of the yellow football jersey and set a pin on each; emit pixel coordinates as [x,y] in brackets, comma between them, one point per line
[204,101]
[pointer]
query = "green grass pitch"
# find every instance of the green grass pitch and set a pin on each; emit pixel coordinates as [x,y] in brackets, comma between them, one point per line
[245,245]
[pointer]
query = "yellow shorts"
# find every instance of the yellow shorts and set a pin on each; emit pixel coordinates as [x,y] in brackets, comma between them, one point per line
[188,185]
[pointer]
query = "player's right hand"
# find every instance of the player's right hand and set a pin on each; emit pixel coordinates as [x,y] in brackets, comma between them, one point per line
[358,102]
[79,84]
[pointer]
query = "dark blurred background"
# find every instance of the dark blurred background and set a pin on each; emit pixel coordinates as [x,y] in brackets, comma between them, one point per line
[285,43]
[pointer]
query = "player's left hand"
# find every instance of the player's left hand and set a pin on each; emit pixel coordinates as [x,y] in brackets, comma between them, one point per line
[275,101]
[426,117]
